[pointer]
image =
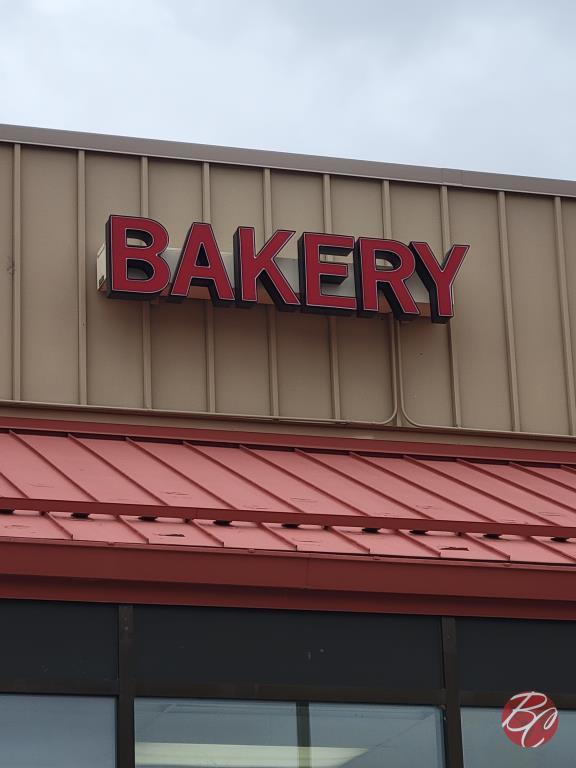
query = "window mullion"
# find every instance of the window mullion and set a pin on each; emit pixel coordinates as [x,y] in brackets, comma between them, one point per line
[125,757]
[452,723]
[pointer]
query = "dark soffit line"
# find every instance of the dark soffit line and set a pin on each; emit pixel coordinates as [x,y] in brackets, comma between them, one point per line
[49,137]
[288,440]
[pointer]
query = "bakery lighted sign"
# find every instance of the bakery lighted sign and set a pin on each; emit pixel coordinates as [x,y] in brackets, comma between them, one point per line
[333,274]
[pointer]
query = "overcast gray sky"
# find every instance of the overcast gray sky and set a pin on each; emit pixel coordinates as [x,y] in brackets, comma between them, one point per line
[480,85]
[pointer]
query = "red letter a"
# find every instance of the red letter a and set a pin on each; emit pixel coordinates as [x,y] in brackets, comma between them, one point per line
[200,263]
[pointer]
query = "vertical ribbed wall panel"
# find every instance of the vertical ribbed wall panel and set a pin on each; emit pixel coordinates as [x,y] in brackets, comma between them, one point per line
[6,269]
[424,347]
[114,328]
[506,363]
[49,276]
[479,325]
[177,330]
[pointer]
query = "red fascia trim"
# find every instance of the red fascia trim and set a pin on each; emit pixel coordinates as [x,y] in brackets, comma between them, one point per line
[165,575]
[284,440]
[279,599]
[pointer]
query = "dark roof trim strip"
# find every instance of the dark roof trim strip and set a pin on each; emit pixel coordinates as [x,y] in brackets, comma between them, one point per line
[48,137]
[290,440]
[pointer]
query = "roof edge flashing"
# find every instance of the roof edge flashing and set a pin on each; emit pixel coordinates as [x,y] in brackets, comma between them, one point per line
[79,140]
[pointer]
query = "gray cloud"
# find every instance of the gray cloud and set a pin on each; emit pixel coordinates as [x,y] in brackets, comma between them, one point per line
[485,86]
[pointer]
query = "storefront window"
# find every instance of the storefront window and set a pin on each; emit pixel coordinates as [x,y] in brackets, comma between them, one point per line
[57,732]
[485,743]
[240,734]
[220,734]
[366,736]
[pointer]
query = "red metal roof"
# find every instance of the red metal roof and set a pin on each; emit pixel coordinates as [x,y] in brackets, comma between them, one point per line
[387,500]
[119,513]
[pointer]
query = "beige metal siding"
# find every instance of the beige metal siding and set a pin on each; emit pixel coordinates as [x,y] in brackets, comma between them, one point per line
[303,340]
[240,336]
[365,346]
[177,330]
[366,369]
[114,329]
[241,360]
[49,340]
[304,366]
[479,332]
[566,233]
[506,362]
[424,348]
[297,203]
[534,283]
[7,267]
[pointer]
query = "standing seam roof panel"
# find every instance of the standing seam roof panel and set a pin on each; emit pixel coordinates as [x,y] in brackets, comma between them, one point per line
[230,479]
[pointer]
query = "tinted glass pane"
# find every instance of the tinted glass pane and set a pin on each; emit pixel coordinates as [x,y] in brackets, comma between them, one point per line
[239,734]
[211,645]
[58,641]
[56,732]
[485,744]
[220,734]
[511,655]
[375,736]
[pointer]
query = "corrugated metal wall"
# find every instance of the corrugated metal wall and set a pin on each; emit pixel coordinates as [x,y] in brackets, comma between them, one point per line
[506,362]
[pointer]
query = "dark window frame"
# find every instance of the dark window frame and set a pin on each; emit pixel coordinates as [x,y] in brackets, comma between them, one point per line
[449,698]
[304,695]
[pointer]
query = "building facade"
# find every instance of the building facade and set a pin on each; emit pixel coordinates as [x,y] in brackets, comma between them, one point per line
[236,535]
